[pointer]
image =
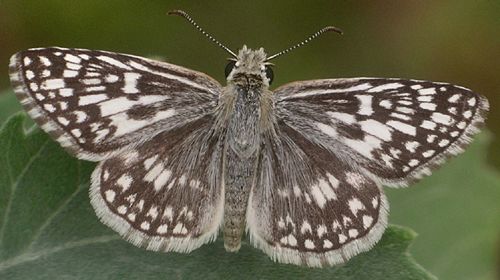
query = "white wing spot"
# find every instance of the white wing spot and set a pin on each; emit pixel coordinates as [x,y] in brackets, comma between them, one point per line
[386,104]
[412,146]
[326,129]
[66,92]
[80,116]
[443,142]
[413,162]
[400,116]
[353,233]
[334,182]
[306,227]
[27,61]
[365,106]
[342,238]
[110,78]
[145,225]
[403,127]
[326,189]
[472,101]
[343,117]
[467,114]
[73,66]
[33,86]
[91,99]
[454,133]
[45,61]
[428,153]
[124,182]
[376,129]
[461,125]
[427,91]
[385,87]
[113,62]
[29,74]
[49,108]
[441,118]
[162,179]
[53,84]
[454,98]
[154,172]
[425,98]
[130,80]
[70,73]
[131,217]
[374,202]
[93,81]
[46,73]
[309,244]
[367,221]
[318,196]
[162,229]
[428,106]
[428,125]
[149,162]
[405,110]
[327,244]
[39,96]
[322,230]
[431,138]
[62,120]
[355,205]
[168,213]
[110,195]
[453,110]
[122,209]
[84,56]
[72,58]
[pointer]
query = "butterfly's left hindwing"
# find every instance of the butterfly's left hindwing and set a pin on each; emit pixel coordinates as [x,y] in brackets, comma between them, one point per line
[165,194]
[96,102]
[393,130]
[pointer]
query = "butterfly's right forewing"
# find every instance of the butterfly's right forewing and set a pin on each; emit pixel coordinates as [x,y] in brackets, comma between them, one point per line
[96,102]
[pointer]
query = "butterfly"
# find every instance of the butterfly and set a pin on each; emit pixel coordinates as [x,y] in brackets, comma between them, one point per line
[300,168]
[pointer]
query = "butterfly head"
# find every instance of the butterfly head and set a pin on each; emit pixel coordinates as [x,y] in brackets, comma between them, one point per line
[249,69]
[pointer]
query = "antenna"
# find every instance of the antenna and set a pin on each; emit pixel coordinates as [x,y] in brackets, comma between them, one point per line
[310,38]
[190,20]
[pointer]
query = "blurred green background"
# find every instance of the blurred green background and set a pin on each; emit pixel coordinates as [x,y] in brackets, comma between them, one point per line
[456,41]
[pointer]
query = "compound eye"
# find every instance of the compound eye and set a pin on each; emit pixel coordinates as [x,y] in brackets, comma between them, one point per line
[229,68]
[269,74]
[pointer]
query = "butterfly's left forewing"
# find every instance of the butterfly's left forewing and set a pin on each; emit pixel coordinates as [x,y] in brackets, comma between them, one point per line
[95,102]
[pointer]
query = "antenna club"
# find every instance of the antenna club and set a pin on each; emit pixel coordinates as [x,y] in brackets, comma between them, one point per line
[333,29]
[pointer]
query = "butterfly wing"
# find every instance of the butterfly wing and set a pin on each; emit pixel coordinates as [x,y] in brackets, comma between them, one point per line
[393,130]
[309,207]
[166,193]
[95,102]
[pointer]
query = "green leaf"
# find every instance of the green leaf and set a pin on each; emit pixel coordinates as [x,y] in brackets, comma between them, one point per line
[49,230]
[456,212]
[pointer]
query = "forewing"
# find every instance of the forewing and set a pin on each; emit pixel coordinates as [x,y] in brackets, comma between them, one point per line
[95,102]
[308,207]
[395,130]
[165,194]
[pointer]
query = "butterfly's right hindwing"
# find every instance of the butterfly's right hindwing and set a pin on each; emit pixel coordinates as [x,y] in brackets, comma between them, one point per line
[308,207]
[96,102]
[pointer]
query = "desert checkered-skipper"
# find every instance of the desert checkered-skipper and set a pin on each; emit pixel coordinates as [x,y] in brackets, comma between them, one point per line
[300,167]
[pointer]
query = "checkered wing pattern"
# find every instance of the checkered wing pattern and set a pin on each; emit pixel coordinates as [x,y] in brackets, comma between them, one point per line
[165,194]
[95,102]
[394,130]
